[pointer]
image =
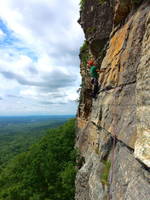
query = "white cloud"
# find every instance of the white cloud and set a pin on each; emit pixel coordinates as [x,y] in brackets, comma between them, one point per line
[2,34]
[41,64]
[43,22]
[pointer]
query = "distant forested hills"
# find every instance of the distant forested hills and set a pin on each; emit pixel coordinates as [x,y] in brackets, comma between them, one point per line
[46,171]
[18,133]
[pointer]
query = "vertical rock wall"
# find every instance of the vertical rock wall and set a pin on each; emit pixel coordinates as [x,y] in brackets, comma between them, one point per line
[113,130]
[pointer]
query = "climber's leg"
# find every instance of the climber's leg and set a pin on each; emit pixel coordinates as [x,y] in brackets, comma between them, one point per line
[95,88]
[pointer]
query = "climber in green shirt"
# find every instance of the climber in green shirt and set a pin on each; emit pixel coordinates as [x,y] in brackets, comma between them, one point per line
[94,75]
[94,72]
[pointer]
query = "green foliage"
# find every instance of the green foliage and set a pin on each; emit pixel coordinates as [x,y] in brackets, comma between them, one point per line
[16,135]
[84,52]
[91,30]
[105,172]
[85,58]
[46,171]
[82,3]
[102,1]
[84,46]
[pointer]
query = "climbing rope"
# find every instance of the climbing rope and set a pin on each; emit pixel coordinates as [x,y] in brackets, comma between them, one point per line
[112,164]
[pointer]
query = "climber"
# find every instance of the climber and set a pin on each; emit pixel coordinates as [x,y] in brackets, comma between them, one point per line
[94,75]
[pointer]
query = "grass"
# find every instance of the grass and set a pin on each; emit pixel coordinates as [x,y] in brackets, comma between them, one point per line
[105,173]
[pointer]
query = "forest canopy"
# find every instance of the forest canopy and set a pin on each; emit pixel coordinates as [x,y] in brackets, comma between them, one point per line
[46,171]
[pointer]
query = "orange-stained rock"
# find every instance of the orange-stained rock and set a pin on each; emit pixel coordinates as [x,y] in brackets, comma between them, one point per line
[89,139]
[112,59]
[81,123]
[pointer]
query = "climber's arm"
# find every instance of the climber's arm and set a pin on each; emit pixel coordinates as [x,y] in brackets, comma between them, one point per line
[101,70]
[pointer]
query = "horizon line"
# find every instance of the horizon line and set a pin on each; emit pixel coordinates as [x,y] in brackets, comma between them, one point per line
[37,115]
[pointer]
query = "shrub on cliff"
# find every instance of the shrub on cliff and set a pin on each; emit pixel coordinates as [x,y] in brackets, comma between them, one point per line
[82,3]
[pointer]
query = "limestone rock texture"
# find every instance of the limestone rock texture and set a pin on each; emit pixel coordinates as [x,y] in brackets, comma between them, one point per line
[113,130]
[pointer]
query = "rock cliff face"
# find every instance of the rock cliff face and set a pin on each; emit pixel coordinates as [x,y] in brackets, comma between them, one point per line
[113,130]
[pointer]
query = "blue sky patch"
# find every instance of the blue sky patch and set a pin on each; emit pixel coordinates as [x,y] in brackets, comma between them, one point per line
[11,42]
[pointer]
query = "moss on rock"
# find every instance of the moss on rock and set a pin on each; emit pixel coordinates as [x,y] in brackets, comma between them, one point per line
[105,172]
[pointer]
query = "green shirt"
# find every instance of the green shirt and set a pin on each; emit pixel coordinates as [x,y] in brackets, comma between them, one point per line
[93,72]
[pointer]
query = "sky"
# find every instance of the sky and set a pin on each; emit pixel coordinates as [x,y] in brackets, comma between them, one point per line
[39,63]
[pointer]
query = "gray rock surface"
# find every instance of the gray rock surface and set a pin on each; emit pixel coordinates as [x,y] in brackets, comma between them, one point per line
[142,145]
[130,179]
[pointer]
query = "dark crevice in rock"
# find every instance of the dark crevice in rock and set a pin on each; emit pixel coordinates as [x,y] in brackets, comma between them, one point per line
[97,47]
[145,167]
[102,52]
[80,162]
[100,128]
[107,147]
[131,150]
[125,145]
[128,176]
[114,137]
[109,87]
